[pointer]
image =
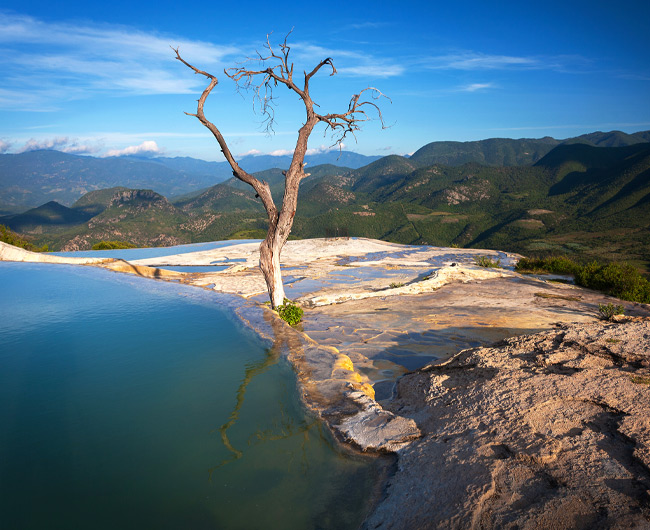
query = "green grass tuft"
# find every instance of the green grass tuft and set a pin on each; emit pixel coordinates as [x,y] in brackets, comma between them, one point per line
[487,262]
[608,311]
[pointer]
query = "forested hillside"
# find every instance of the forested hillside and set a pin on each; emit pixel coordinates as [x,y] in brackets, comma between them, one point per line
[577,198]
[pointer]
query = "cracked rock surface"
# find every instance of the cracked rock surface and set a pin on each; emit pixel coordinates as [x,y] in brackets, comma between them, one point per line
[549,430]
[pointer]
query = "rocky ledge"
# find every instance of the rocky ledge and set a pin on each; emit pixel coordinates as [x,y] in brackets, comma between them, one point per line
[548,430]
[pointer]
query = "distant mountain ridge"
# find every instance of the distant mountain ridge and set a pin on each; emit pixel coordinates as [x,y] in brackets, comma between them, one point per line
[578,198]
[33,178]
[509,152]
[30,179]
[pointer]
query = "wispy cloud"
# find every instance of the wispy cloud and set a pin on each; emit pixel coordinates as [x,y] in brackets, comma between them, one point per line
[5,146]
[373,70]
[147,148]
[349,62]
[480,61]
[43,62]
[477,61]
[475,87]
[635,77]
[289,152]
[366,25]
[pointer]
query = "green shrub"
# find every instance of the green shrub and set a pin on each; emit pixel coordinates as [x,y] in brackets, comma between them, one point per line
[620,280]
[485,261]
[607,311]
[553,264]
[7,236]
[395,285]
[290,312]
[112,245]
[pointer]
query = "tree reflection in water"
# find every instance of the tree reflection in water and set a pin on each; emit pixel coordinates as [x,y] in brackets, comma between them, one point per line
[283,341]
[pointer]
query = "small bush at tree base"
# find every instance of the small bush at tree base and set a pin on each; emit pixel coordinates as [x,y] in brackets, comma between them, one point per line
[607,311]
[290,312]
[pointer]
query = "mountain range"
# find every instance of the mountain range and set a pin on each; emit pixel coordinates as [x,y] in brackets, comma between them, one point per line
[33,178]
[589,197]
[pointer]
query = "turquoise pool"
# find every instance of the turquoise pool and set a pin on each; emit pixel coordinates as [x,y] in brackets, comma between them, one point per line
[131,403]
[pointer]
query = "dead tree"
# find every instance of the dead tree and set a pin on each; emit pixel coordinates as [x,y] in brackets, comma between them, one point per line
[274,68]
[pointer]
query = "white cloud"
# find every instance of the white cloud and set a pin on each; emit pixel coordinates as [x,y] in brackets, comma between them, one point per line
[373,70]
[477,61]
[59,143]
[480,61]
[474,87]
[252,152]
[81,149]
[147,148]
[43,63]
[281,152]
[325,149]
[4,146]
[289,152]
[347,62]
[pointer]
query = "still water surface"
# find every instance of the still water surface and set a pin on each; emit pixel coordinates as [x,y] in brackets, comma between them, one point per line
[129,403]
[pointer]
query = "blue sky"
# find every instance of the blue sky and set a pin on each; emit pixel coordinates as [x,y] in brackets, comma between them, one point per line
[100,78]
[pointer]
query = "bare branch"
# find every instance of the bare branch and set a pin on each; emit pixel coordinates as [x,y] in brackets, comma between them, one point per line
[340,125]
[261,188]
[271,69]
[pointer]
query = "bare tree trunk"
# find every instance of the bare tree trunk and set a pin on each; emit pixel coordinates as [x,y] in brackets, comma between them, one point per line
[281,71]
[270,251]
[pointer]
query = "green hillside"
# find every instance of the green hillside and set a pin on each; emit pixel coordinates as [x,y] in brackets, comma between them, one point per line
[510,152]
[35,177]
[95,202]
[48,215]
[381,173]
[578,198]
[492,152]
[141,217]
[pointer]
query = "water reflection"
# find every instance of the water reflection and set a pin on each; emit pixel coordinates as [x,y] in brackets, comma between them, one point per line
[285,426]
[253,370]
[109,388]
